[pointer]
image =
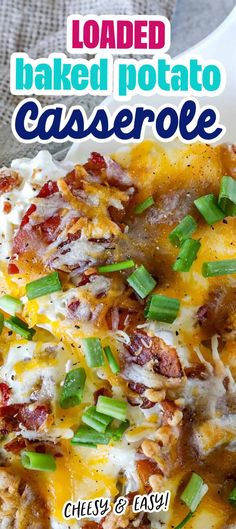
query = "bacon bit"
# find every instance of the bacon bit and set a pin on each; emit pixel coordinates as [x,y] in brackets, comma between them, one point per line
[95,163]
[127,318]
[12,269]
[5,392]
[140,347]
[202,314]
[147,404]
[6,207]
[26,216]
[117,215]
[215,316]
[105,392]
[73,307]
[168,363]
[8,180]
[197,371]
[13,415]
[48,228]
[137,387]
[16,445]
[169,408]
[48,189]
[146,468]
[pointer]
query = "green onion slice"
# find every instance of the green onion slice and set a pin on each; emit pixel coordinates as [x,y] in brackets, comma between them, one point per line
[97,421]
[162,308]
[209,209]
[232,497]
[140,208]
[183,231]
[187,255]
[227,196]
[219,268]
[113,407]
[116,267]
[117,433]
[194,492]
[19,327]
[1,322]
[87,436]
[111,360]
[37,461]
[73,388]
[141,281]
[93,352]
[44,285]
[10,305]
[184,521]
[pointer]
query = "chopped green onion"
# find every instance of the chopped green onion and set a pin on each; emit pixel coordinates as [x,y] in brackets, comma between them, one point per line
[116,267]
[10,305]
[111,360]
[232,497]
[183,230]
[97,421]
[73,388]
[113,407]
[1,322]
[117,433]
[86,436]
[37,461]
[219,268]
[162,308]
[93,352]
[44,285]
[141,281]
[194,492]
[227,196]
[184,521]
[140,208]
[20,327]
[209,209]
[187,255]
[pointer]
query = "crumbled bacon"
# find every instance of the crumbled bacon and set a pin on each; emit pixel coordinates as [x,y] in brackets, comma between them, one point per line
[146,468]
[8,180]
[105,392]
[144,349]
[140,347]
[119,318]
[95,163]
[169,408]
[12,269]
[29,416]
[6,207]
[19,443]
[5,392]
[197,371]
[55,212]
[214,317]
[137,387]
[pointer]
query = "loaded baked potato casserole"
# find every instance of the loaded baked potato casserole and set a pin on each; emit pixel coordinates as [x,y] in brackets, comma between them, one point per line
[118,337]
